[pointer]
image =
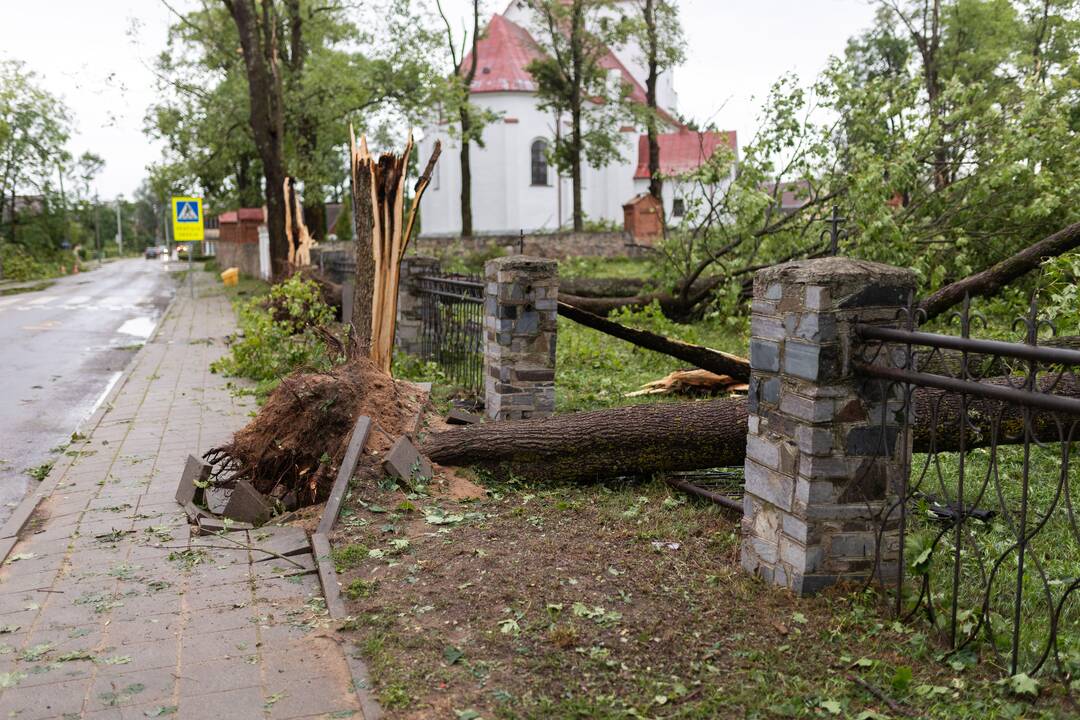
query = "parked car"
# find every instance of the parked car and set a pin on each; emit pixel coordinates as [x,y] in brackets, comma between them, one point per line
[152,252]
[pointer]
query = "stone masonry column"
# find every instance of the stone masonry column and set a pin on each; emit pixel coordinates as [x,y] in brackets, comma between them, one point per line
[410,308]
[819,461]
[520,304]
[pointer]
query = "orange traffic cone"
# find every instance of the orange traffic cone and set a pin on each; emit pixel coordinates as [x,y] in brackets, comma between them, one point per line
[74,269]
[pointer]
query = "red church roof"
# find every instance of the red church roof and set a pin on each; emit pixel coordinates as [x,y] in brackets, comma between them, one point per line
[504,51]
[682,151]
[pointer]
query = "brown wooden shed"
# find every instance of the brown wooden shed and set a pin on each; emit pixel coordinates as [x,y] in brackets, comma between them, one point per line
[642,218]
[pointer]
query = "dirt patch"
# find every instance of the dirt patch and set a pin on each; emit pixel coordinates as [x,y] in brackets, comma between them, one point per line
[613,602]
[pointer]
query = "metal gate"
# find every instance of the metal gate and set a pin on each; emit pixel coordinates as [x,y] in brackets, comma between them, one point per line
[986,516]
[452,327]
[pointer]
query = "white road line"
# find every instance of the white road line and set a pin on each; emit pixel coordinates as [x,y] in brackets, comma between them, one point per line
[104,393]
[42,300]
[7,301]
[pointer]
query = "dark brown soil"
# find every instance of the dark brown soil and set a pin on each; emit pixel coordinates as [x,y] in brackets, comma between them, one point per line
[612,602]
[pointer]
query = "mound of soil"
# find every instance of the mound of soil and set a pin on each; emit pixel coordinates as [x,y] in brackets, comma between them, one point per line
[293,447]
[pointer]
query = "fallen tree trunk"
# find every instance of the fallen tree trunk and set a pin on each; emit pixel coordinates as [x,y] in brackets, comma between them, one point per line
[647,439]
[721,363]
[994,278]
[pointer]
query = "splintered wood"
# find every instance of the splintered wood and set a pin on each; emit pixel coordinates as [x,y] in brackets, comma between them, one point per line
[296,232]
[383,230]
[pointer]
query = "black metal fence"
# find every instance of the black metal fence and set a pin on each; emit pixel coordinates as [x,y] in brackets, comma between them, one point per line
[452,327]
[989,544]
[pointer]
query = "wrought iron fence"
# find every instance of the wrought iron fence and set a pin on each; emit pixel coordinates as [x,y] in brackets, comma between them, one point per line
[452,327]
[984,519]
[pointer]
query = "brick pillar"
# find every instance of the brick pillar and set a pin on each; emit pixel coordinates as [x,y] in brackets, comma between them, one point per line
[520,303]
[409,318]
[819,463]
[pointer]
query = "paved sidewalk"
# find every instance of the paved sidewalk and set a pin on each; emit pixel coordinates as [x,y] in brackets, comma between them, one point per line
[109,610]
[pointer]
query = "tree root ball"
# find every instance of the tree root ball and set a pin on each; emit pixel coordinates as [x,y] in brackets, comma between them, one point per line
[294,445]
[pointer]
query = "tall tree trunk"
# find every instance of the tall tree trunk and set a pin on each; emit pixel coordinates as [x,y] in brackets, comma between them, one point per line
[577,29]
[315,217]
[466,176]
[258,41]
[656,183]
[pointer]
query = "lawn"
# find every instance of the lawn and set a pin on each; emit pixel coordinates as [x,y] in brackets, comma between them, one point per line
[622,601]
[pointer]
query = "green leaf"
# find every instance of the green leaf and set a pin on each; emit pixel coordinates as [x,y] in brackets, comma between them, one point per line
[11,679]
[1023,684]
[833,707]
[901,679]
[452,654]
[161,711]
[467,714]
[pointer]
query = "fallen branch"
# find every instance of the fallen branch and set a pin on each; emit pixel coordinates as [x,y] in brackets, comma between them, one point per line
[991,280]
[721,363]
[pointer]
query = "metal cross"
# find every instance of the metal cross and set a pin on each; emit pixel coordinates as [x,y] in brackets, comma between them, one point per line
[834,231]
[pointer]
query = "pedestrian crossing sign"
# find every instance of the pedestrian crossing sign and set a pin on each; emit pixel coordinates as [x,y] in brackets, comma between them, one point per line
[187,219]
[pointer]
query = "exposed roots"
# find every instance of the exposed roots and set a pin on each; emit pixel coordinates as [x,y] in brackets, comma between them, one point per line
[292,449]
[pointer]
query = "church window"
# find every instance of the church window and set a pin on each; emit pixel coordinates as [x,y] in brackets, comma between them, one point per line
[539,162]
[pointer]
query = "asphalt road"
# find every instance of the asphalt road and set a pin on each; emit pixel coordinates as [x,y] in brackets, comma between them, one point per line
[61,350]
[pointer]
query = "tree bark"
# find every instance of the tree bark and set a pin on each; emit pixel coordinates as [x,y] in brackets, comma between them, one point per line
[364,223]
[647,439]
[258,41]
[655,181]
[705,358]
[991,280]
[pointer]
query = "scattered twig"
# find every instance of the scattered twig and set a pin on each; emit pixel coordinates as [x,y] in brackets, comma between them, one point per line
[894,705]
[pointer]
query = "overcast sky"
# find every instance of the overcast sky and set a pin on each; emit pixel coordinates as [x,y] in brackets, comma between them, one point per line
[97,57]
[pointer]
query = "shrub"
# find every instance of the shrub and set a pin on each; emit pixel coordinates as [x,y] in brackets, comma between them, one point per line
[279,333]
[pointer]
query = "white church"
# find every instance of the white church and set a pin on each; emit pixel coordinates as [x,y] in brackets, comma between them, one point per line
[513,186]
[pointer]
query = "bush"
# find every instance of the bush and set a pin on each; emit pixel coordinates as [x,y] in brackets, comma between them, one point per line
[20,264]
[279,333]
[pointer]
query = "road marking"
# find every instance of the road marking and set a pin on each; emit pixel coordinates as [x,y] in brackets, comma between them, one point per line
[8,301]
[42,300]
[104,393]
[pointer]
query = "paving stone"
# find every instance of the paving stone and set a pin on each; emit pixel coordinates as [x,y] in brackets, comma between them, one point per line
[196,472]
[405,462]
[247,504]
[457,416]
[285,541]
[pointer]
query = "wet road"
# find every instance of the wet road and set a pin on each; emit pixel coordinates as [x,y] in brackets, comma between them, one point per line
[61,350]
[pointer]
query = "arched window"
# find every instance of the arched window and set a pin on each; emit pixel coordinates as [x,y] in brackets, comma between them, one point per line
[539,162]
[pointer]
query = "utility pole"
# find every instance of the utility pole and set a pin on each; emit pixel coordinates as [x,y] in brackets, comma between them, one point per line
[97,226]
[119,225]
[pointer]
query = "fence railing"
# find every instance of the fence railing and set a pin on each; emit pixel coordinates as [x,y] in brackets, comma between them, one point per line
[452,327]
[989,543]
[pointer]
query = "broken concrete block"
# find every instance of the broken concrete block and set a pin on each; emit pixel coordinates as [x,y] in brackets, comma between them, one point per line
[196,470]
[247,504]
[457,416]
[285,541]
[217,498]
[405,462]
[215,525]
[194,512]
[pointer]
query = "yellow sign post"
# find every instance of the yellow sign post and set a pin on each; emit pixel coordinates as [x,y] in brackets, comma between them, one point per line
[187,219]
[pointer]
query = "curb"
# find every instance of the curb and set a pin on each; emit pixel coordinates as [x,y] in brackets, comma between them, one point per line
[9,533]
[320,548]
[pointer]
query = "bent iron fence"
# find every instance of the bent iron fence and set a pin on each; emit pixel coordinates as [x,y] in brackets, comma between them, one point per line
[452,327]
[984,522]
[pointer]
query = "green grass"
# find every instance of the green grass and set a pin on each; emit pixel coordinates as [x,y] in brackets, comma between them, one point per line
[623,267]
[36,287]
[595,370]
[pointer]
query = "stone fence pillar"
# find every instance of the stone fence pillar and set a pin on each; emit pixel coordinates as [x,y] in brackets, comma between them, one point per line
[410,308]
[520,304]
[819,462]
